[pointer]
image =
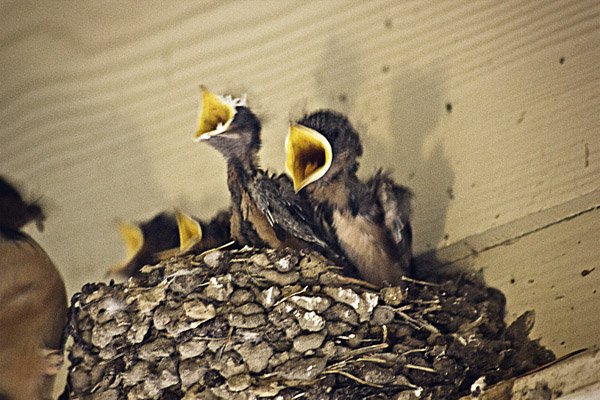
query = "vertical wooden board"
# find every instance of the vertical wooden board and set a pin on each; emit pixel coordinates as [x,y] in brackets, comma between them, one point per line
[555,272]
[98,103]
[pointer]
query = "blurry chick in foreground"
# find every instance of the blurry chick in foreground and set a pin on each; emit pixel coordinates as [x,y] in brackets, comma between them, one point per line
[370,219]
[265,209]
[33,304]
[166,235]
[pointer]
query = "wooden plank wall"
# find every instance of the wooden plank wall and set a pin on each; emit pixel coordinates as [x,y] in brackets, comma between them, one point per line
[489,110]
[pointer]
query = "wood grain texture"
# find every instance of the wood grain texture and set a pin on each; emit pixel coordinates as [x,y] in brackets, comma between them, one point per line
[471,246]
[98,102]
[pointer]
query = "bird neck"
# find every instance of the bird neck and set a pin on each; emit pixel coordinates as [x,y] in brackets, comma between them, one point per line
[246,164]
[239,173]
[335,193]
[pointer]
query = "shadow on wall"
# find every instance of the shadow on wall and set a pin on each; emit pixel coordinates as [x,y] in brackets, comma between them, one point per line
[417,99]
[409,147]
[118,182]
[338,80]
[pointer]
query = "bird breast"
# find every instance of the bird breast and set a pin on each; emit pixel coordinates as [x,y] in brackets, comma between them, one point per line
[365,244]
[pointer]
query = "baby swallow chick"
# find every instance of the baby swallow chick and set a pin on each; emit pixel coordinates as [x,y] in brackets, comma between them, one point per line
[370,220]
[166,235]
[198,236]
[265,209]
[144,240]
[33,304]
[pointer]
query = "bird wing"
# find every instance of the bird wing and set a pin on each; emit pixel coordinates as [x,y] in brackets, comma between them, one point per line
[286,212]
[395,202]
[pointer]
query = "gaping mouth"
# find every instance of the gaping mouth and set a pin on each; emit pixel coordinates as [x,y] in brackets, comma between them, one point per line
[190,231]
[308,155]
[133,237]
[216,114]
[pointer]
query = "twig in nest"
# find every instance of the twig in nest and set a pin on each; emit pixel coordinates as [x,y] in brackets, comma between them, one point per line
[96,387]
[354,378]
[409,320]
[413,351]
[472,325]
[418,282]
[221,247]
[385,334]
[344,363]
[435,307]
[358,282]
[434,301]
[420,368]
[286,298]
[352,336]
[373,360]
[268,375]
[419,324]
[338,365]
[208,338]
[363,350]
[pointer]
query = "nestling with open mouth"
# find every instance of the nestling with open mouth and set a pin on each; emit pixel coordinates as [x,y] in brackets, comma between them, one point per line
[370,219]
[265,209]
[166,235]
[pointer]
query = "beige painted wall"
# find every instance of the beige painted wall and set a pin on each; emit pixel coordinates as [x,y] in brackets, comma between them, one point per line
[98,102]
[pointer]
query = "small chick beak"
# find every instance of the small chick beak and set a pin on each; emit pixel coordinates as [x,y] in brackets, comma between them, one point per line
[216,114]
[308,155]
[190,231]
[133,237]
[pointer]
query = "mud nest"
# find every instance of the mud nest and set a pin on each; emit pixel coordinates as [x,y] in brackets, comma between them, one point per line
[284,324]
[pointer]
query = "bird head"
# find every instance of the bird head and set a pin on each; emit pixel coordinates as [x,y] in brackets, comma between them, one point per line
[15,212]
[228,125]
[321,147]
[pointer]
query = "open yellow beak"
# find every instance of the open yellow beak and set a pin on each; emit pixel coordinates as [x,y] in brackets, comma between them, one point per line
[190,231]
[133,237]
[308,155]
[216,114]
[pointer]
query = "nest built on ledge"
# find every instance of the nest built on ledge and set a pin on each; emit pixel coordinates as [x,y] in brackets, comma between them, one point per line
[283,324]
